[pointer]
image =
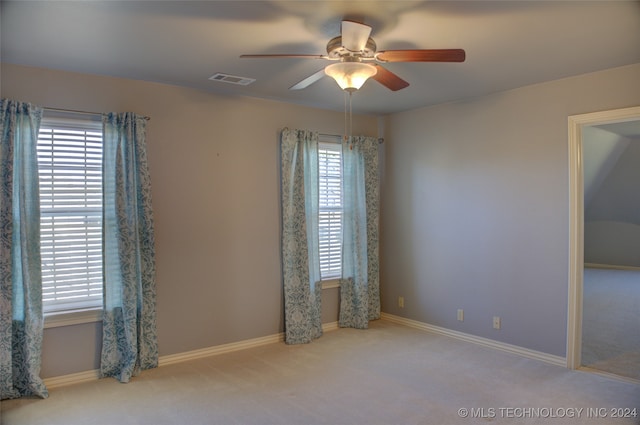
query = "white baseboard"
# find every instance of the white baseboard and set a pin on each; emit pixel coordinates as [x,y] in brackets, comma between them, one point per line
[611,267]
[219,349]
[73,378]
[609,375]
[326,327]
[502,346]
[92,375]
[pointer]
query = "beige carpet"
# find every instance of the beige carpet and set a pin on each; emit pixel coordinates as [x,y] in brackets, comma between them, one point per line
[611,321]
[389,374]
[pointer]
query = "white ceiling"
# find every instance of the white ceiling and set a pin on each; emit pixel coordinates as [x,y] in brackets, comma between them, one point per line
[509,44]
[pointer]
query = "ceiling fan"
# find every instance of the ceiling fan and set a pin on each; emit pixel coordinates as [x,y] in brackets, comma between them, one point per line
[357,59]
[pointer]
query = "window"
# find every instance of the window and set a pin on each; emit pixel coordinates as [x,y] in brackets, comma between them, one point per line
[70,173]
[330,210]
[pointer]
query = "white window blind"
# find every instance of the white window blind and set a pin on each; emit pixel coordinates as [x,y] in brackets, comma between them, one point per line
[330,210]
[70,173]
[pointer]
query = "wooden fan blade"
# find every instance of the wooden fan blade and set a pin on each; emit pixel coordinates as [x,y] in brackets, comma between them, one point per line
[285,56]
[424,55]
[389,79]
[308,81]
[355,35]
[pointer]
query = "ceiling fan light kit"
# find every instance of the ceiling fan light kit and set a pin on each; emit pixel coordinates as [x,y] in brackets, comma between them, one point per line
[350,75]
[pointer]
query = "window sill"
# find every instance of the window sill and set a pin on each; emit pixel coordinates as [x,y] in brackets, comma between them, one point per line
[68,318]
[330,283]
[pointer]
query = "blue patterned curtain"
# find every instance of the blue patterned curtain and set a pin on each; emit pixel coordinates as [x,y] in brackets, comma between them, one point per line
[21,319]
[129,342]
[300,259]
[359,286]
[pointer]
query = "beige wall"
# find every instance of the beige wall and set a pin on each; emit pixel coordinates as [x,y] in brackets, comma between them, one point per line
[476,208]
[215,176]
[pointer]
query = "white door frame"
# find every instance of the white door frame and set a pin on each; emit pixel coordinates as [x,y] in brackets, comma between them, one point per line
[576,220]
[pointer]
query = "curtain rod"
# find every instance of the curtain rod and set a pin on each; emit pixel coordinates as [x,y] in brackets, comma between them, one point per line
[380,139]
[80,112]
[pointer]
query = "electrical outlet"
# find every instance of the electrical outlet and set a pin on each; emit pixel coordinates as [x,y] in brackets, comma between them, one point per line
[401,302]
[461,315]
[496,322]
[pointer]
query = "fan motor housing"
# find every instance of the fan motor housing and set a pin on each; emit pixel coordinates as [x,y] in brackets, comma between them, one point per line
[336,50]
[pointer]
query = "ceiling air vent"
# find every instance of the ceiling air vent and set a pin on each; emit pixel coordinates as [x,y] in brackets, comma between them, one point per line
[232,79]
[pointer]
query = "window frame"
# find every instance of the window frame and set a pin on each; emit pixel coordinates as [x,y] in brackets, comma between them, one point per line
[331,144]
[80,312]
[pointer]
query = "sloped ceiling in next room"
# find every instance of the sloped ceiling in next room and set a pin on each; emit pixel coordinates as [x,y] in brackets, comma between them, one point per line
[611,173]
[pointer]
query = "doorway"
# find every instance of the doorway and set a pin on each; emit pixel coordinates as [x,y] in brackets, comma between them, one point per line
[584,186]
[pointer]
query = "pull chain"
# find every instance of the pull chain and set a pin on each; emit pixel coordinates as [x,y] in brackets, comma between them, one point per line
[346,129]
[348,123]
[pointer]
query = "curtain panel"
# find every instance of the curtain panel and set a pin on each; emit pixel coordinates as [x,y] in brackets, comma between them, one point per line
[300,252]
[21,318]
[129,341]
[360,285]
